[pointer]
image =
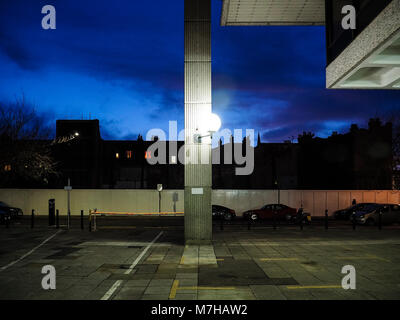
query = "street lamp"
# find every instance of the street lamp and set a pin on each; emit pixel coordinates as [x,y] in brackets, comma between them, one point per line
[65,139]
[210,123]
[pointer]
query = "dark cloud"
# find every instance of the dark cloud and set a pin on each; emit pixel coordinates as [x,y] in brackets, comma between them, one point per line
[16,52]
[271,79]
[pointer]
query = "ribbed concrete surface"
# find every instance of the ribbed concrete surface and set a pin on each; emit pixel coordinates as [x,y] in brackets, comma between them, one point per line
[198,223]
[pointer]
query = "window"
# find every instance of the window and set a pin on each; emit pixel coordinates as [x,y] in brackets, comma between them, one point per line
[129,154]
[7,167]
[173,159]
[117,155]
[147,155]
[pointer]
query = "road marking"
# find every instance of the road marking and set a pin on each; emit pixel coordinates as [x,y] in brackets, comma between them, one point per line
[314,287]
[174,288]
[220,259]
[30,252]
[182,260]
[115,286]
[279,259]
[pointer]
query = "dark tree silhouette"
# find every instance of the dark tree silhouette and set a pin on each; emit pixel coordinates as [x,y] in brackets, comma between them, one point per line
[395,120]
[24,146]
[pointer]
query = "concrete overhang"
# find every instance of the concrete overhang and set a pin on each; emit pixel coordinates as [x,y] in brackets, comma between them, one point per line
[372,60]
[272,12]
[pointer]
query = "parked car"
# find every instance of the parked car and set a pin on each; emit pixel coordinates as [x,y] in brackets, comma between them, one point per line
[344,214]
[13,212]
[370,214]
[300,216]
[3,215]
[221,212]
[282,212]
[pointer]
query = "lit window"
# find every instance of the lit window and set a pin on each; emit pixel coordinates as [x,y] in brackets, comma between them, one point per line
[129,154]
[147,155]
[117,155]
[7,167]
[173,159]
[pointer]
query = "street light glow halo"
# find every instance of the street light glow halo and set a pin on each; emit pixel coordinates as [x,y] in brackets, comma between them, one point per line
[214,122]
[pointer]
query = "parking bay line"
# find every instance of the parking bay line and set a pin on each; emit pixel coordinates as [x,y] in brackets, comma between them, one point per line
[279,259]
[117,283]
[175,287]
[314,287]
[30,252]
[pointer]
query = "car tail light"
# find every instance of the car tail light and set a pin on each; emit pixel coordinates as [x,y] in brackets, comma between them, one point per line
[232,211]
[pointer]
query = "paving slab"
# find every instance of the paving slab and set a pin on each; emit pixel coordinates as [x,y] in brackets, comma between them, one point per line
[262,264]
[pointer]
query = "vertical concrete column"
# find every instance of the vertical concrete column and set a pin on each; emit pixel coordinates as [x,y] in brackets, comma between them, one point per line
[198,167]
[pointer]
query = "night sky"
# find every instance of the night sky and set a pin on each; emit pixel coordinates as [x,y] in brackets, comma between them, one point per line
[122,62]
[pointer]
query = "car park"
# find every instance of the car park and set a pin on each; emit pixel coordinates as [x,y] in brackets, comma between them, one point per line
[269,211]
[370,214]
[221,212]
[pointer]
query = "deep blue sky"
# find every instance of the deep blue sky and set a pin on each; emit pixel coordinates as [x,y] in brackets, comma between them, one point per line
[122,63]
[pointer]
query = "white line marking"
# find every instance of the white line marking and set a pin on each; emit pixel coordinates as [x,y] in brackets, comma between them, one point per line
[29,253]
[117,283]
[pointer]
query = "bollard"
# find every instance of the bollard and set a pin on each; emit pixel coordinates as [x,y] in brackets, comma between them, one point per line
[90,221]
[82,219]
[274,220]
[380,220]
[58,219]
[33,218]
[326,219]
[353,219]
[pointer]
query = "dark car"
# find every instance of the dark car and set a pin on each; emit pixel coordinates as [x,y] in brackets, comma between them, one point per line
[13,212]
[281,212]
[221,212]
[300,216]
[3,216]
[344,214]
[370,214]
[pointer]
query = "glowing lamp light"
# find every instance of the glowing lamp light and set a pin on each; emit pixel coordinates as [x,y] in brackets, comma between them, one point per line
[214,123]
[210,124]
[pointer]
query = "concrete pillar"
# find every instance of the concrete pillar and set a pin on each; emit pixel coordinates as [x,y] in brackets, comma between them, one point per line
[198,167]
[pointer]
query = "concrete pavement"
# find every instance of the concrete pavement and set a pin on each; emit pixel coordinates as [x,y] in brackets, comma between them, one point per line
[148,260]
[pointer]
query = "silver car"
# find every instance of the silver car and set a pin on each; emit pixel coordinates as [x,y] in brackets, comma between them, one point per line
[370,215]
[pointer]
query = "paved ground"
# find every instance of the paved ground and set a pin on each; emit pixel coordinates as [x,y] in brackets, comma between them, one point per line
[147,259]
